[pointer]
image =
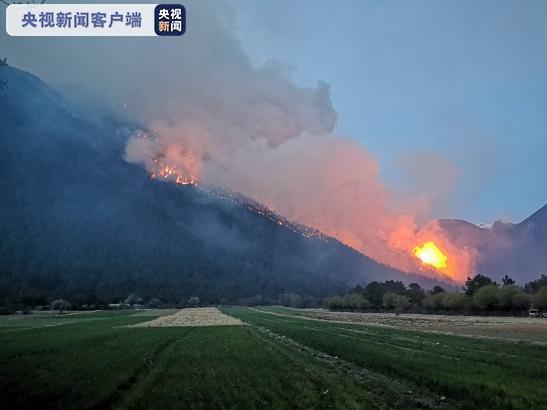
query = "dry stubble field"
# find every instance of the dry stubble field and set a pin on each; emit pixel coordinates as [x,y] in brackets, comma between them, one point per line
[508,328]
[193,317]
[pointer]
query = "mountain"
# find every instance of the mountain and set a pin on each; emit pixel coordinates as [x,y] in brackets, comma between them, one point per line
[80,222]
[519,250]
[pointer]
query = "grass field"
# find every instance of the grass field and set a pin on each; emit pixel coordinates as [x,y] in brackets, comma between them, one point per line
[278,360]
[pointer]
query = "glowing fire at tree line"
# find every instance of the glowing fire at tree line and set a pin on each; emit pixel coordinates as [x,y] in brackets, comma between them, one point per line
[182,178]
[168,171]
[428,253]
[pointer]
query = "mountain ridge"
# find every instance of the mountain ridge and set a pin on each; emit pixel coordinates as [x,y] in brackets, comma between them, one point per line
[84,224]
[519,249]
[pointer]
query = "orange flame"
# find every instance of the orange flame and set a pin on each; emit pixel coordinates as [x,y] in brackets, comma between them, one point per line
[430,254]
[397,241]
[179,176]
[187,171]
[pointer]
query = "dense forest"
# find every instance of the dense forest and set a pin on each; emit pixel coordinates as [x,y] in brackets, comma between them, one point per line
[81,224]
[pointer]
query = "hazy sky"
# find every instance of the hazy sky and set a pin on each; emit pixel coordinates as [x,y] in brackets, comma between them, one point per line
[449,96]
[464,81]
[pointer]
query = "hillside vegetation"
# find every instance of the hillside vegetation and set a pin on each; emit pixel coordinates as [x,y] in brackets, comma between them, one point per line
[80,223]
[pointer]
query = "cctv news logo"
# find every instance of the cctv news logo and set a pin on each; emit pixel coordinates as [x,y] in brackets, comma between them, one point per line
[95,20]
[170,20]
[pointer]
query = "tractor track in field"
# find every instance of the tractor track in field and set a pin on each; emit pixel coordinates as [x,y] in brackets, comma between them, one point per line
[147,371]
[424,332]
[67,322]
[393,393]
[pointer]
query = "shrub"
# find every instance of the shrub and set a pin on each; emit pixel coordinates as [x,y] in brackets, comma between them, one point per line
[388,300]
[486,297]
[535,285]
[374,293]
[60,305]
[333,303]
[505,296]
[521,300]
[394,301]
[454,301]
[415,293]
[154,303]
[540,298]
[477,282]
[358,302]
[434,301]
[133,299]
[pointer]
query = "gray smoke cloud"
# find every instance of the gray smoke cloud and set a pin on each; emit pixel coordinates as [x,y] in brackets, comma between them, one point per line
[207,111]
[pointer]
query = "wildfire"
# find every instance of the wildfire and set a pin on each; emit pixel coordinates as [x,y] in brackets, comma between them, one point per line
[180,177]
[185,166]
[174,163]
[430,254]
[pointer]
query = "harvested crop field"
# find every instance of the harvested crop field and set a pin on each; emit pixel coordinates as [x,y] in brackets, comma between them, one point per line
[511,328]
[193,317]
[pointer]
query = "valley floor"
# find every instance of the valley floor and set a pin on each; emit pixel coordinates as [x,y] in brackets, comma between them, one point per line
[279,358]
[498,327]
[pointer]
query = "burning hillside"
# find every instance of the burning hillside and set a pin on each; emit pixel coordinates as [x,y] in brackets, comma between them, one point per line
[252,130]
[184,176]
[327,199]
[100,231]
[217,118]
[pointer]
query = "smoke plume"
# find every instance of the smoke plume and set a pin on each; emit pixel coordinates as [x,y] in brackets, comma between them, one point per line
[254,131]
[209,113]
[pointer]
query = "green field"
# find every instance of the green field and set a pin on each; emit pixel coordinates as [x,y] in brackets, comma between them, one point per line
[92,360]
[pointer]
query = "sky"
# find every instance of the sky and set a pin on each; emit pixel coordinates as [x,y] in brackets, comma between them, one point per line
[460,82]
[450,97]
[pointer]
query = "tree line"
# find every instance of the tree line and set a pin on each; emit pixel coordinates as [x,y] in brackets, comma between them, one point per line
[479,295]
[135,301]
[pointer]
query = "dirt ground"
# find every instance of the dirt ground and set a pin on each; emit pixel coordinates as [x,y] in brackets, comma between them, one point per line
[155,312]
[513,328]
[193,317]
